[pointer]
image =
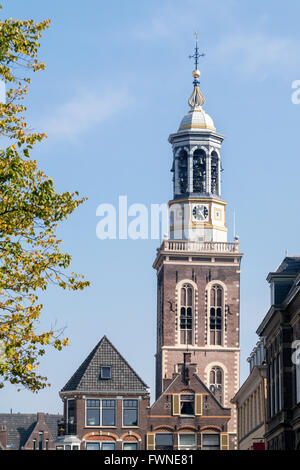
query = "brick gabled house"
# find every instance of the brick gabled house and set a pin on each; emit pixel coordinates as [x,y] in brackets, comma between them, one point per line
[105,404]
[22,431]
[187,415]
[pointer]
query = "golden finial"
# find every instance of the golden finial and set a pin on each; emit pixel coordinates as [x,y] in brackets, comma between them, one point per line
[196,98]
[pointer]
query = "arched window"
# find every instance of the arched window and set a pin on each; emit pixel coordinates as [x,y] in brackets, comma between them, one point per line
[199,171]
[186,314]
[216,314]
[182,171]
[216,383]
[214,173]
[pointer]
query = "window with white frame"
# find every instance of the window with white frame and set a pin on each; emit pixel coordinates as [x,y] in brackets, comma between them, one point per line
[216,314]
[216,383]
[100,446]
[130,412]
[67,447]
[186,314]
[100,412]
[41,440]
[188,441]
[105,372]
[130,446]
[71,416]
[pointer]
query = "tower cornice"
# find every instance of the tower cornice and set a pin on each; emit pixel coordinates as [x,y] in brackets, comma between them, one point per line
[190,251]
[195,136]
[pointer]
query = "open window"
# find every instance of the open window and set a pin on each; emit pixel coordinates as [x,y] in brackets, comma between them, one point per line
[187,404]
[214,173]
[199,171]
[182,171]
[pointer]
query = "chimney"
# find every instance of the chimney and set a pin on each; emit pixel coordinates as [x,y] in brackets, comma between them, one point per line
[187,368]
[187,357]
[40,417]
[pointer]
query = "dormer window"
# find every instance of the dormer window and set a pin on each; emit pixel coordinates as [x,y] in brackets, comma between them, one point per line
[105,373]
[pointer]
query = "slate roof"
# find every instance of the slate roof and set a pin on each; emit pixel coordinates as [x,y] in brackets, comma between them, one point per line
[20,426]
[290,264]
[87,377]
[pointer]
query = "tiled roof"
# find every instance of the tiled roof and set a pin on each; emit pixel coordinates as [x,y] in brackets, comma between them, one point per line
[87,377]
[290,264]
[20,426]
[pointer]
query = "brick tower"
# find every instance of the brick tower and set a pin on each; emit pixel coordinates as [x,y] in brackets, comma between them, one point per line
[198,270]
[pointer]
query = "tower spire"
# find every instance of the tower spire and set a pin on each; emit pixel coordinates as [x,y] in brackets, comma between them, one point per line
[196,54]
[196,98]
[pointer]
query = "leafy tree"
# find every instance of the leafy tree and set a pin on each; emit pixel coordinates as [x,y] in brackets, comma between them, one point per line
[30,210]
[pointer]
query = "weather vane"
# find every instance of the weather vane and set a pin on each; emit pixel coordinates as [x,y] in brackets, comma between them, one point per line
[196,99]
[196,55]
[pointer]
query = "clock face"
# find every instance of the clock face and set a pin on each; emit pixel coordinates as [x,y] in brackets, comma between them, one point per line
[200,212]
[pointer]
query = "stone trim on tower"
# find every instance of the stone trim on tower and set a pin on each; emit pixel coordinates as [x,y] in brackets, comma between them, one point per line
[178,288]
[222,366]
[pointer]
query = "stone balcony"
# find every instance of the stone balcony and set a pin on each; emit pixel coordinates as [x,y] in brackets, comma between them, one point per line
[199,247]
[185,250]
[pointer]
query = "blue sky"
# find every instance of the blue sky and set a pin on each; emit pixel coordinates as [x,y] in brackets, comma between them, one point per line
[116,85]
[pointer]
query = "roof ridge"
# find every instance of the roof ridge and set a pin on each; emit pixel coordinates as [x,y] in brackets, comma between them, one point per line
[86,361]
[126,362]
[209,391]
[87,367]
[166,389]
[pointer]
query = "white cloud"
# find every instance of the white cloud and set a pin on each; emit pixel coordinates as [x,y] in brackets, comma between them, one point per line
[259,54]
[85,111]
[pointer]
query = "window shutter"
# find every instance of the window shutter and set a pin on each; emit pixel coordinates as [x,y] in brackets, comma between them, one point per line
[198,404]
[176,405]
[150,441]
[224,441]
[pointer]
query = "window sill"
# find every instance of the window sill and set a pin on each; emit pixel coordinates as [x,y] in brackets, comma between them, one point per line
[187,447]
[100,427]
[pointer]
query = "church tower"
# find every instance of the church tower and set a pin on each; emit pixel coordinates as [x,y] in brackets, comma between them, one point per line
[198,270]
